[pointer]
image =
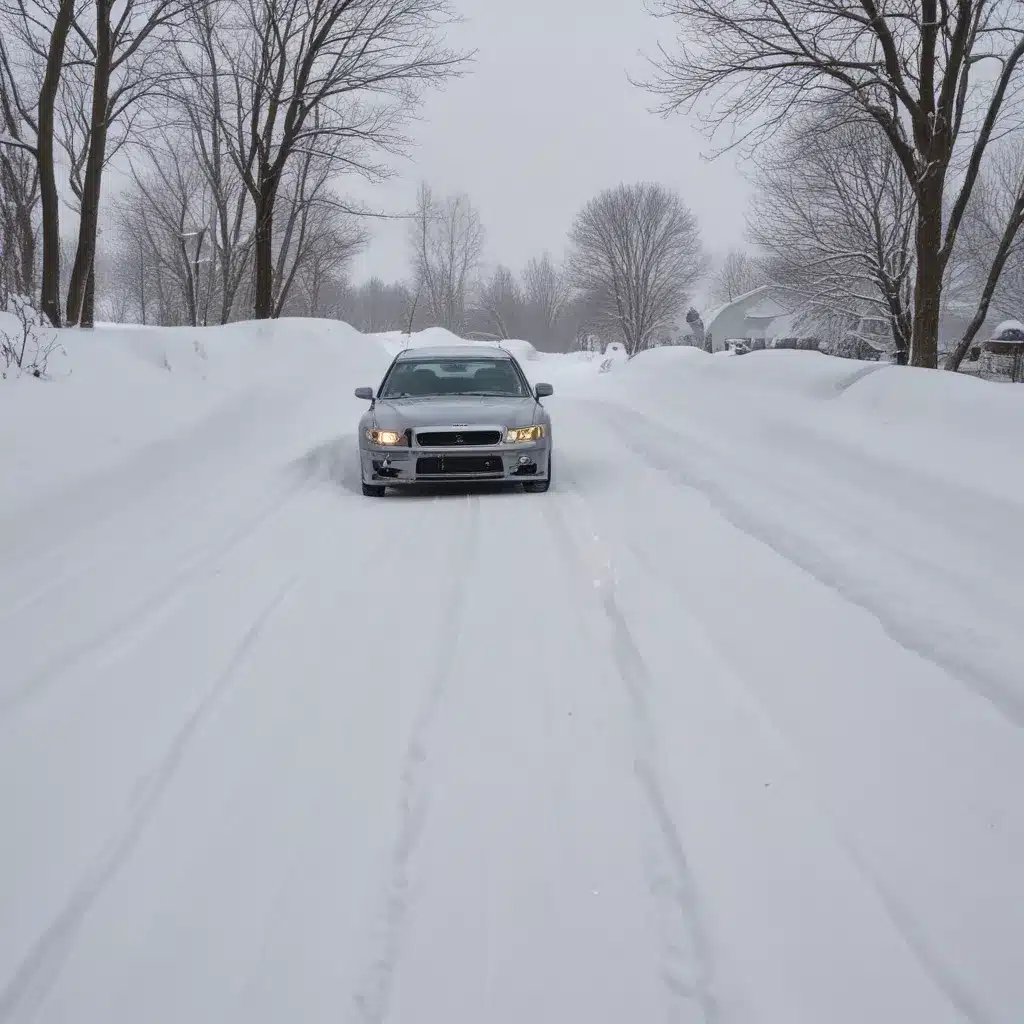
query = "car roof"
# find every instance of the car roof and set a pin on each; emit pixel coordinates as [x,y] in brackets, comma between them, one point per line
[454,352]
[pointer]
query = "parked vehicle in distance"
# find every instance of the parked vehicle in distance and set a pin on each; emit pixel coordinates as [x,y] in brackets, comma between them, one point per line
[459,413]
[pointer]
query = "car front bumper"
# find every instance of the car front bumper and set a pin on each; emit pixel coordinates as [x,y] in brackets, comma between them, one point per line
[515,463]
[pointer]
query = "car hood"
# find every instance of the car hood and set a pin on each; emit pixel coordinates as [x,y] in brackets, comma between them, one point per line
[399,413]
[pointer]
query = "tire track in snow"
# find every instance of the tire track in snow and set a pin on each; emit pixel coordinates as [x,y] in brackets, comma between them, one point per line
[40,969]
[902,918]
[686,972]
[817,563]
[900,915]
[151,605]
[314,805]
[43,587]
[373,997]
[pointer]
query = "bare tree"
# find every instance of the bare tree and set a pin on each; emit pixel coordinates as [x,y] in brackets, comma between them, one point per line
[447,241]
[335,78]
[835,216]
[31,64]
[739,273]
[316,236]
[124,43]
[202,98]
[636,252]
[19,193]
[917,68]
[325,241]
[993,246]
[168,217]
[375,306]
[19,234]
[546,293]
[501,306]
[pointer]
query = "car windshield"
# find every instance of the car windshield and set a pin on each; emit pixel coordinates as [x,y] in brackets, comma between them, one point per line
[427,377]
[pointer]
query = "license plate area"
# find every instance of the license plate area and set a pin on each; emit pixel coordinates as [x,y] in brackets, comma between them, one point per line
[443,465]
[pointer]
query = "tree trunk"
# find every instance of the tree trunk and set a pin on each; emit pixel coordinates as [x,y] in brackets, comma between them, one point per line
[263,304]
[190,285]
[142,283]
[899,320]
[88,318]
[27,240]
[49,289]
[93,178]
[924,342]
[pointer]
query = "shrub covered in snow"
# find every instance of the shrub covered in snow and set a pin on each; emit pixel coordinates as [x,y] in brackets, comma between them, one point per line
[801,344]
[26,343]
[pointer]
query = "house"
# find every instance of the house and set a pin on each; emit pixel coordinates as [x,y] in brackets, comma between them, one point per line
[755,317]
[760,319]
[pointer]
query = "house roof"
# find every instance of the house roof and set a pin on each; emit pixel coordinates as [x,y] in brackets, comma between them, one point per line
[719,310]
[765,309]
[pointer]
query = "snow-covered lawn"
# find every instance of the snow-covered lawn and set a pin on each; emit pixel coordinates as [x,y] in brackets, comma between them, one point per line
[726,727]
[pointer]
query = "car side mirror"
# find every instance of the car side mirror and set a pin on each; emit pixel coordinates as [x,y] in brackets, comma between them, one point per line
[543,390]
[365,393]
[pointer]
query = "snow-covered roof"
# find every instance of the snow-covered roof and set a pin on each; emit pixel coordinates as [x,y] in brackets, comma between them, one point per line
[719,310]
[1008,330]
[766,309]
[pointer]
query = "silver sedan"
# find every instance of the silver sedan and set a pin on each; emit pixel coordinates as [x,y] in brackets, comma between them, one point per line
[463,413]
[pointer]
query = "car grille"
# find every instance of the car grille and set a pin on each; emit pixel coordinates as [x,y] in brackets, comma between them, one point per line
[443,464]
[454,438]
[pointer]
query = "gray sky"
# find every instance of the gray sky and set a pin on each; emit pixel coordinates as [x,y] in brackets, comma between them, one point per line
[544,120]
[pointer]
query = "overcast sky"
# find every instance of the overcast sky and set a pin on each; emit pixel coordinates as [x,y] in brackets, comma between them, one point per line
[544,120]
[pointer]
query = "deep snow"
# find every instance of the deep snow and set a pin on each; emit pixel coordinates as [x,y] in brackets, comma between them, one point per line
[724,728]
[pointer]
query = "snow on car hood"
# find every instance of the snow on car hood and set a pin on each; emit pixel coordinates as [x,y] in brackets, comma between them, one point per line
[399,413]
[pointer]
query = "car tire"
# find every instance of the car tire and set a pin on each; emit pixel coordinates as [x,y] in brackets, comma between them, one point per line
[373,490]
[539,486]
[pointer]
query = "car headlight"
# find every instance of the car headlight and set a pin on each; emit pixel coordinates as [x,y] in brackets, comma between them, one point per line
[514,435]
[375,436]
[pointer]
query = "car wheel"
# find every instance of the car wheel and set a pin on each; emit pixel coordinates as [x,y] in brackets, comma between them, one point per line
[539,486]
[373,490]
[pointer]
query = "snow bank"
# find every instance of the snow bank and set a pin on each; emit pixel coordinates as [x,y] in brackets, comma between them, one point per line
[809,374]
[120,388]
[936,400]
[522,350]
[901,488]
[950,400]
[395,341]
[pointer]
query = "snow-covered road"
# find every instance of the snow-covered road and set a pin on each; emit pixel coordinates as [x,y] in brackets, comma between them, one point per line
[653,747]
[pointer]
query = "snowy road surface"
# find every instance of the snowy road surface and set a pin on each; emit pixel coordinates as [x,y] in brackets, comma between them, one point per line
[654,747]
